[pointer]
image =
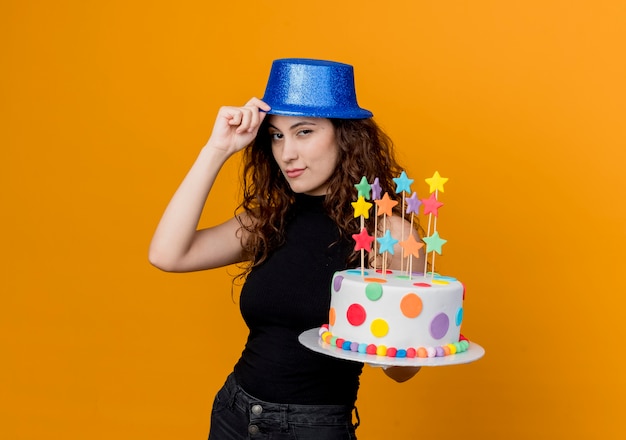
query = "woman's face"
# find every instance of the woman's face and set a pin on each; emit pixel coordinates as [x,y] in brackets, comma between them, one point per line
[306,151]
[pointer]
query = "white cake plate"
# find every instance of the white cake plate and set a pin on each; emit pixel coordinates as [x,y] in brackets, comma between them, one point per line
[311,339]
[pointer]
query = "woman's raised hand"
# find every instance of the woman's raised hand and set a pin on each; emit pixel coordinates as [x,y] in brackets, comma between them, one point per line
[178,245]
[236,127]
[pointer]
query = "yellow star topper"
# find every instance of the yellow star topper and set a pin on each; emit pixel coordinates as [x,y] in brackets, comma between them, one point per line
[361,208]
[436,182]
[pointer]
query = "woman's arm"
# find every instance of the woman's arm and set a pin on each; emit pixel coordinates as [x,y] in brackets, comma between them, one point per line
[400,229]
[177,244]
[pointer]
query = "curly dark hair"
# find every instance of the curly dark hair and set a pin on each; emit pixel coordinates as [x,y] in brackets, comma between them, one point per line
[364,151]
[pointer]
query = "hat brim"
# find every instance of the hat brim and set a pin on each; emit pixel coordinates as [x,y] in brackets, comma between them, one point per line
[312,112]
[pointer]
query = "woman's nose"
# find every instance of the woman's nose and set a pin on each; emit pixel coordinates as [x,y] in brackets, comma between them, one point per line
[289,152]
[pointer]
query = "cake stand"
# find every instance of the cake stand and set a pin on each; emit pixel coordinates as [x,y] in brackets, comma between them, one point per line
[311,339]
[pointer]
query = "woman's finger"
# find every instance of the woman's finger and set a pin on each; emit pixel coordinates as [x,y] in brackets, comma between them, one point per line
[246,119]
[261,105]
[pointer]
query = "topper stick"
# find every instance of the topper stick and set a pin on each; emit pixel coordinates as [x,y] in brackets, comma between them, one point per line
[432,270]
[375,232]
[362,250]
[432,266]
[402,232]
[361,210]
[375,187]
[436,217]
[411,256]
[384,264]
[430,215]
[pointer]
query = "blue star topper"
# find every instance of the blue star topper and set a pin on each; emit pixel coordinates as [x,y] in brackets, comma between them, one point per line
[403,183]
[387,242]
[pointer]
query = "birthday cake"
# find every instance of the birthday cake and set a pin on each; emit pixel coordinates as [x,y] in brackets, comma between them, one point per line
[396,313]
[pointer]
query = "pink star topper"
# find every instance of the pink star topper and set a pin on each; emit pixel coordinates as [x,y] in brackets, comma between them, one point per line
[363,241]
[431,205]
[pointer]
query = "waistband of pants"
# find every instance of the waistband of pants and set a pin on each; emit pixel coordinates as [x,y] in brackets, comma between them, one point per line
[286,413]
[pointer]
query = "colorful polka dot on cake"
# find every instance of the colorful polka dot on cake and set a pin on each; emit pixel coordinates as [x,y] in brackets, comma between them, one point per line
[356,314]
[411,305]
[373,291]
[379,328]
[439,326]
[332,316]
[337,283]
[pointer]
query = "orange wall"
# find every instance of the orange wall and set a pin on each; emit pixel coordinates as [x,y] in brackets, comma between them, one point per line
[104,105]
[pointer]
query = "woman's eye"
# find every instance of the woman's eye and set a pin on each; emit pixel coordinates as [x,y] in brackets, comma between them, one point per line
[305,132]
[276,136]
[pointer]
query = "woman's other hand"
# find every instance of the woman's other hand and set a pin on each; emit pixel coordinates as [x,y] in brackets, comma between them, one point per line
[401,374]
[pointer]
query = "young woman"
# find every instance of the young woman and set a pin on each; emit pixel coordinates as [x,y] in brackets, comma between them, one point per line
[305,146]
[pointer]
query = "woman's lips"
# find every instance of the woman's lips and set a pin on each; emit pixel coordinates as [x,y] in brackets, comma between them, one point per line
[294,173]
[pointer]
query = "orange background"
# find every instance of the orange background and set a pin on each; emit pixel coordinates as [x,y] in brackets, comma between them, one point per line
[105,105]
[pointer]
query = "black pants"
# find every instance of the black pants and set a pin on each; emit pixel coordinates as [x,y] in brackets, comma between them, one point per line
[236,415]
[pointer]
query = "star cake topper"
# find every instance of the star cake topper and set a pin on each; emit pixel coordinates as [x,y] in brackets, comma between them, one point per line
[436,182]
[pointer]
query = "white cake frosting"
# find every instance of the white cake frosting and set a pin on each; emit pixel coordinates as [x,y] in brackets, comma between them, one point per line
[395,314]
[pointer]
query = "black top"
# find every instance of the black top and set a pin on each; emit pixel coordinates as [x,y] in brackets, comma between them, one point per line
[286,295]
